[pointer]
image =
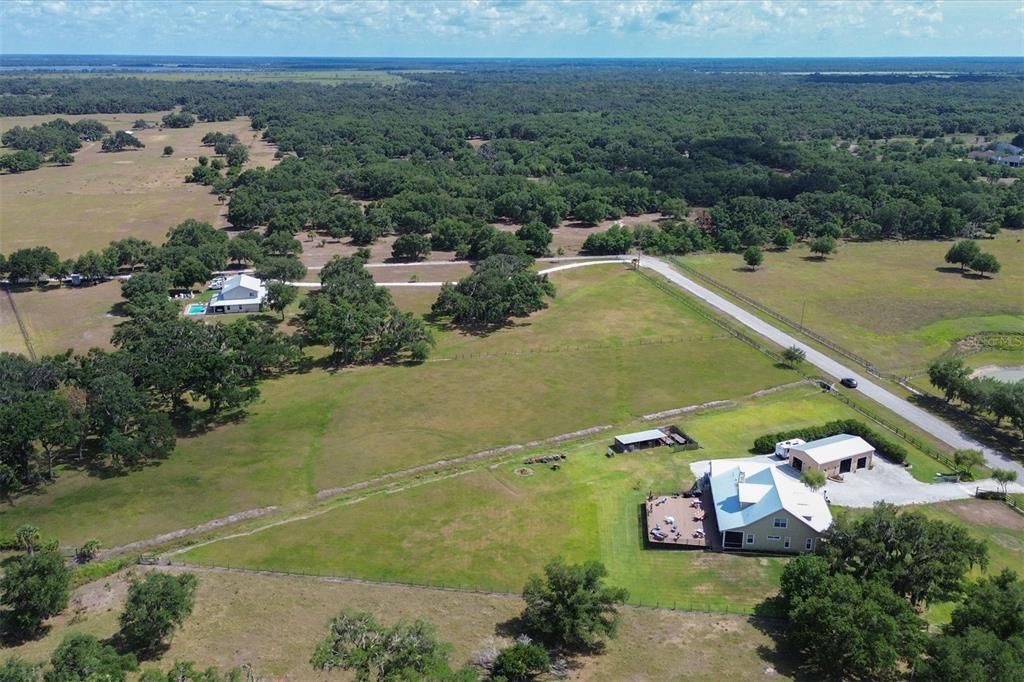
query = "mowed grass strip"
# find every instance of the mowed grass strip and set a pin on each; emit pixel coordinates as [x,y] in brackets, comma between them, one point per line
[898,304]
[274,623]
[325,429]
[108,196]
[490,528]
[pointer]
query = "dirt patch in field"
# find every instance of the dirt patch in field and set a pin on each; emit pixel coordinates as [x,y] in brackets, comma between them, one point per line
[991,513]
[103,594]
[314,255]
[570,235]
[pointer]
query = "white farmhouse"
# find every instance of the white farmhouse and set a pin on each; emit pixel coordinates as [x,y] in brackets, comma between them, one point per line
[240,294]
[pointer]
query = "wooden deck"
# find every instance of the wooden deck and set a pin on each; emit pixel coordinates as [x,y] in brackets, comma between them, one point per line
[691,526]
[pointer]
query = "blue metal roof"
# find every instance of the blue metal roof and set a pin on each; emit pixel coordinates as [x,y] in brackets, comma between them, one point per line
[725,492]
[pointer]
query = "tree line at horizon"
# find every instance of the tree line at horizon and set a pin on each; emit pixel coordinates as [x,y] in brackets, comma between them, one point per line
[560,147]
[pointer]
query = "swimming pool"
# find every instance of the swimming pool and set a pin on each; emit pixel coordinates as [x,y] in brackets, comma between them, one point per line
[195,309]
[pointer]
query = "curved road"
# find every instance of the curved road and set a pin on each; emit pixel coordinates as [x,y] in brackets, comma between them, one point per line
[913,414]
[557,268]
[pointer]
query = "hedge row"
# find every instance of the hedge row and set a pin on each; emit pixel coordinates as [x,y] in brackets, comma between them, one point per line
[892,451]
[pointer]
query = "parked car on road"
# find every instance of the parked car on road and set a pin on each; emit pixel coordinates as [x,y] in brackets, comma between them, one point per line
[849,382]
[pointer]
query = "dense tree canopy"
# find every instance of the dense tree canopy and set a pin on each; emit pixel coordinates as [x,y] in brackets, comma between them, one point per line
[845,625]
[34,586]
[358,319]
[83,657]
[379,653]
[922,559]
[570,606]
[156,605]
[500,288]
[179,119]
[120,141]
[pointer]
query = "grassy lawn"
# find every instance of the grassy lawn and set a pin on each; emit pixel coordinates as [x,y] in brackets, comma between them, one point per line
[492,527]
[107,196]
[896,304]
[273,624]
[644,352]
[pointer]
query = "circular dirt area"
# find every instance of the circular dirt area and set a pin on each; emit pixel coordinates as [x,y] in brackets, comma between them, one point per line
[524,471]
[991,513]
[1005,374]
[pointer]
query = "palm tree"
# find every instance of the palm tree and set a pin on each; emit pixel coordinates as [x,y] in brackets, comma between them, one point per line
[27,538]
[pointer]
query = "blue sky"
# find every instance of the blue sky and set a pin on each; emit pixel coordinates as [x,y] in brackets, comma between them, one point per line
[515,28]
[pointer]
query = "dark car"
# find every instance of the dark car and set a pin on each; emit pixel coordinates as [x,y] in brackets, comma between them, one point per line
[849,382]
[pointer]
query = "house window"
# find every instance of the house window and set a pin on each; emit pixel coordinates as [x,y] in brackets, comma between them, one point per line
[788,542]
[781,523]
[774,538]
[750,538]
[809,545]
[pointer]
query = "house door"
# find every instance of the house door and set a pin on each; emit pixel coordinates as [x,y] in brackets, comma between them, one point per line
[797,464]
[862,462]
[844,466]
[733,539]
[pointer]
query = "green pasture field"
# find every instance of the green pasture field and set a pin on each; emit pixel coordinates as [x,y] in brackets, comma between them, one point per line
[898,304]
[273,624]
[492,527]
[489,529]
[106,196]
[640,351]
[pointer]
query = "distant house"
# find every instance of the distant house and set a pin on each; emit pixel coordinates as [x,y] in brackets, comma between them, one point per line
[1003,154]
[759,507]
[240,294]
[834,455]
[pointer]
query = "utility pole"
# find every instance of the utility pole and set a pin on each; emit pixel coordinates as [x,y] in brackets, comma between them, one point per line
[802,310]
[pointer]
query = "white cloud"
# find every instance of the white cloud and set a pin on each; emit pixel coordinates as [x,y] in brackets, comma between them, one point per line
[629,27]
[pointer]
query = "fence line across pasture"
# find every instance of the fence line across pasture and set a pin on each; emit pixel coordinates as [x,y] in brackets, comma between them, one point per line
[685,605]
[21,325]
